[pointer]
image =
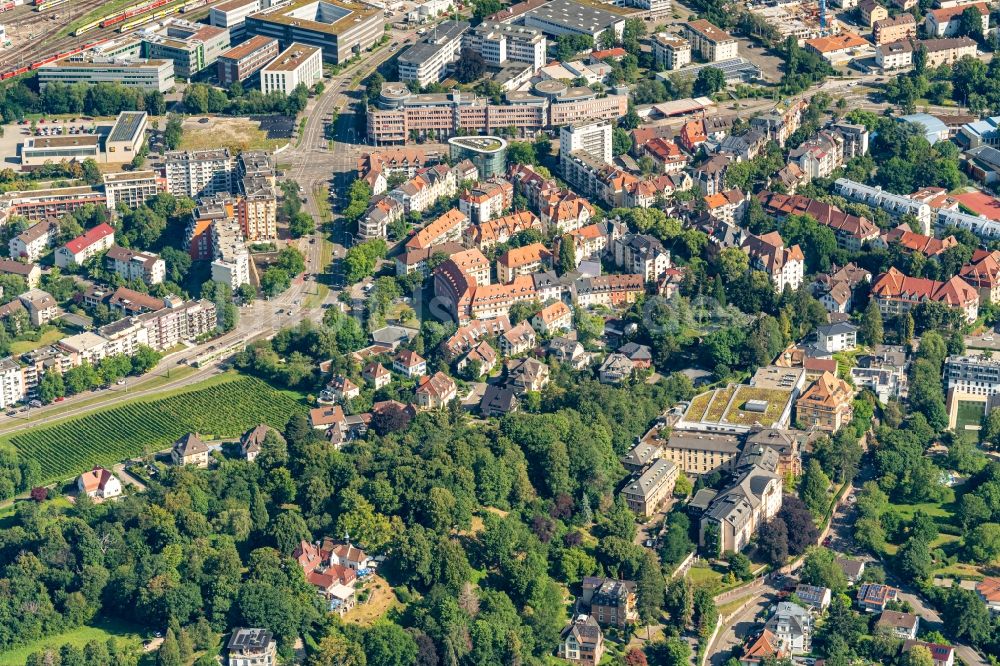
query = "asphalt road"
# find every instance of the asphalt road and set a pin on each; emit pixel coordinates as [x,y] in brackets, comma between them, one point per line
[736,632]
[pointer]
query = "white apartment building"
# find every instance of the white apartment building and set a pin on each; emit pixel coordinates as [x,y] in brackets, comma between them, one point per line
[429,60]
[710,42]
[654,8]
[12,389]
[89,244]
[820,155]
[296,64]
[593,138]
[257,211]
[178,321]
[32,243]
[134,265]
[670,51]
[499,43]
[199,173]
[232,15]
[232,260]
[130,189]
[983,227]
[895,204]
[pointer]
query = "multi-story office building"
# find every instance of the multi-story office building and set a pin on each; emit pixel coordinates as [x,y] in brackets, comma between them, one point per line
[130,189]
[232,16]
[135,265]
[138,73]
[710,42]
[191,46]
[298,64]
[499,43]
[241,62]
[973,375]
[670,51]
[341,28]
[430,59]
[199,173]
[488,153]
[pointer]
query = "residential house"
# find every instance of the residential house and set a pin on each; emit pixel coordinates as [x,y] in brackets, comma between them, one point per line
[252,647]
[412,261]
[898,625]
[340,389]
[710,176]
[486,200]
[727,206]
[897,293]
[646,493]
[375,374]
[409,364]
[465,337]
[347,555]
[32,243]
[566,214]
[523,260]
[819,156]
[252,440]
[326,417]
[744,147]
[582,641]
[871,11]
[135,265]
[642,254]
[189,450]
[853,569]
[692,135]
[31,273]
[988,590]
[898,28]
[983,273]
[791,625]
[447,228]
[615,369]
[763,647]
[553,318]
[87,245]
[813,596]
[826,405]
[941,655]
[435,391]
[895,205]
[666,155]
[568,350]
[611,602]
[781,123]
[929,246]
[836,289]
[517,340]
[873,597]
[947,22]
[498,401]
[99,483]
[483,356]
[787,443]
[500,230]
[833,338]
[851,231]
[785,266]
[41,307]
[611,291]
[526,375]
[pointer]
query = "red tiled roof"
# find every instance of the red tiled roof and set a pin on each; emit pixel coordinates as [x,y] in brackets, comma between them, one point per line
[81,243]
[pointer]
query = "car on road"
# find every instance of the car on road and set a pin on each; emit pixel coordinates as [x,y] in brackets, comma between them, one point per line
[12,412]
[60,398]
[120,382]
[35,403]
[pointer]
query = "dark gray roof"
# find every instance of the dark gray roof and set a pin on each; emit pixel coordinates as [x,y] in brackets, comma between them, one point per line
[704,441]
[439,38]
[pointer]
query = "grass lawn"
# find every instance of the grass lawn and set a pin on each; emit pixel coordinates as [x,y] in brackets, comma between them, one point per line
[960,570]
[101,630]
[942,513]
[314,300]
[381,599]
[48,337]
[237,134]
[970,414]
[705,576]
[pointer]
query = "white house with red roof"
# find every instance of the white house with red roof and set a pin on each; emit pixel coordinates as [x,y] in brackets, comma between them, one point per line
[988,590]
[99,483]
[90,244]
[410,364]
[339,389]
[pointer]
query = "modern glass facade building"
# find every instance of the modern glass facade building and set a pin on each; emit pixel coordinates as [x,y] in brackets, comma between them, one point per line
[488,153]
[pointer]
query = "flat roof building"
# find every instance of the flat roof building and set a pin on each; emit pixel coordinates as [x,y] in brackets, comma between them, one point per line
[135,73]
[341,28]
[429,60]
[126,137]
[298,64]
[242,62]
[566,17]
[191,46]
[232,16]
[130,189]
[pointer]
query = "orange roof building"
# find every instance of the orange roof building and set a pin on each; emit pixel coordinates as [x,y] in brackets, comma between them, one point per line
[522,261]
[827,404]
[448,228]
[896,293]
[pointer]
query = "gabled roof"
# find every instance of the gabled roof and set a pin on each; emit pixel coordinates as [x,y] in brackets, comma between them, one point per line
[190,444]
[95,479]
[81,243]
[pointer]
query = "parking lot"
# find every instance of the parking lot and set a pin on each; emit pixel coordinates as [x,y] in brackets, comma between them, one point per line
[17,133]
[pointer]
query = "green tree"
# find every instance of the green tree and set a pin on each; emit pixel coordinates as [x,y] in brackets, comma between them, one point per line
[871,325]
[820,568]
[51,386]
[813,488]
[521,152]
[387,643]
[567,255]
[169,652]
[983,542]
[710,80]
[650,589]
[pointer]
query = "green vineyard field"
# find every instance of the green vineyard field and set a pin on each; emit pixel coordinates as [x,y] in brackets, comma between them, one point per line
[223,410]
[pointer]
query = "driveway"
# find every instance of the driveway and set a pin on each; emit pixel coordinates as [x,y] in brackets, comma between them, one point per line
[737,630]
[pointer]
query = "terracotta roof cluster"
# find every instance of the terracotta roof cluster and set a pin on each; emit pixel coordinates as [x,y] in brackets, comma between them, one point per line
[926,245]
[500,229]
[771,252]
[522,256]
[824,213]
[894,285]
[444,224]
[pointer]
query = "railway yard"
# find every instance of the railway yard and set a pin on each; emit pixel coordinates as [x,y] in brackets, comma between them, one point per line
[40,31]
